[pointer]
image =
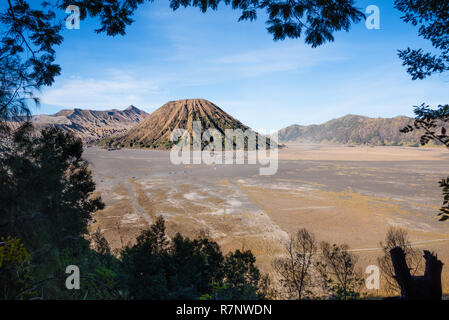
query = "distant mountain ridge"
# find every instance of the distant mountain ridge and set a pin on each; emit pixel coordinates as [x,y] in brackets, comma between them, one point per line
[92,125]
[354,129]
[155,131]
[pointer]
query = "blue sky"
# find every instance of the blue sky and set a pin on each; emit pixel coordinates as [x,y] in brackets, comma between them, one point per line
[265,84]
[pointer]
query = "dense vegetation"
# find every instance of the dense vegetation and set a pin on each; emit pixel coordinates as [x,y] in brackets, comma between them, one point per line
[46,205]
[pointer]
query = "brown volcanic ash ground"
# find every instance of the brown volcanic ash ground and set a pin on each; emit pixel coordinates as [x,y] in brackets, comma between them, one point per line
[341,194]
[155,131]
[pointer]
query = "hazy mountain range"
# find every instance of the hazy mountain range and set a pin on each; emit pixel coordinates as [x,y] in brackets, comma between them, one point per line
[92,125]
[134,128]
[354,129]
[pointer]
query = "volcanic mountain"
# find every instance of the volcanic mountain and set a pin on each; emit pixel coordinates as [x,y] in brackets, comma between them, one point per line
[354,129]
[92,125]
[156,130]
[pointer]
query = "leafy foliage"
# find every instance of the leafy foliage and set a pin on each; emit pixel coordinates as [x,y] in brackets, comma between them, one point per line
[50,174]
[433,21]
[46,183]
[316,19]
[15,268]
[26,56]
[240,276]
[444,210]
[159,268]
[433,122]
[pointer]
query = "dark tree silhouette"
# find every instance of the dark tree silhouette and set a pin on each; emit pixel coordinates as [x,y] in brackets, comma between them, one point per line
[46,203]
[397,237]
[427,286]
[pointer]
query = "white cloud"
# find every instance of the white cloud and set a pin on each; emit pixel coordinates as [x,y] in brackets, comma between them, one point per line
[114,89]
[189,66]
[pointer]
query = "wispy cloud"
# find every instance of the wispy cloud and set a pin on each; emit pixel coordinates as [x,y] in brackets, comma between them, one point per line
[113,89]
[275,59]
[190,67]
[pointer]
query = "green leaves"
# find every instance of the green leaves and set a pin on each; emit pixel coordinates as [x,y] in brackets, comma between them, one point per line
[433,21]
[46,202]
[430,121]
[181,268]
[15,269]
[421,65]
[444,211]
[317,19]
[26,56]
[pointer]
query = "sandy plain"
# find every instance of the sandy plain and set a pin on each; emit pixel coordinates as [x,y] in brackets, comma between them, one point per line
[343,194]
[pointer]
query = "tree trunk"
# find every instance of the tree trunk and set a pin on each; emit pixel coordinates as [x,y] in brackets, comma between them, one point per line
[418,287]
